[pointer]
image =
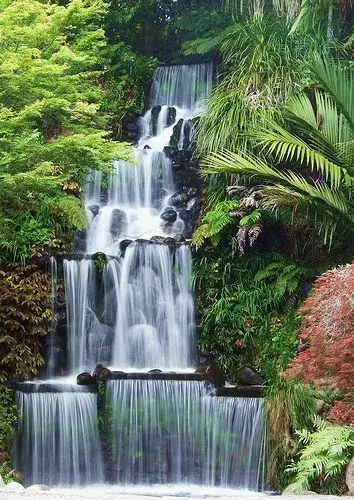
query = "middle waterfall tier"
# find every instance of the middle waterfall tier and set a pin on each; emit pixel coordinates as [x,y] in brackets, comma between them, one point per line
[137,314]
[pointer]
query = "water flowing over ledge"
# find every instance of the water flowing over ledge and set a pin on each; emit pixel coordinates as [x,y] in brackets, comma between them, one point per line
[174,432]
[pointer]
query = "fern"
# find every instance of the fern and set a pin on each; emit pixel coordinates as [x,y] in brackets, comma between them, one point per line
[326,452]
[214,222]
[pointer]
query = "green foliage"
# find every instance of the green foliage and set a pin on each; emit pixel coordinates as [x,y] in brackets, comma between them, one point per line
[25,313]
[325,453]
[262,66]
[289,405]
[214,222]
[51,126]
[318,138]
[244,320]
[8,419]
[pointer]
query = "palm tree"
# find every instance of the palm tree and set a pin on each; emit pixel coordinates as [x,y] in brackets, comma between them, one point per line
[304,166]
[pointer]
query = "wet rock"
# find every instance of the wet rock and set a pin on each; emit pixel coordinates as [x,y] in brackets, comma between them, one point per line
[142,241]
[101,373]
[80,241]
[155,370]
[15,487]
[176,134]
[154,119]
[157,239]
[123,245]
[118,222]
[171,116]
[169,241]
[179,238]
[187,135]
[186,215]
[169,215]
[349,476]
[248,376]
[147,146]
[171,152]
[94,209]
[179,199]
[85,378]
[37,488]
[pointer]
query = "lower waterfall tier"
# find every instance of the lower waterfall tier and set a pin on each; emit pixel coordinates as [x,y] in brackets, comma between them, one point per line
[57,439]
[155,432]
[174,432]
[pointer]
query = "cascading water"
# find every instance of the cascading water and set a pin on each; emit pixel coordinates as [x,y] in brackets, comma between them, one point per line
[129,305]
[58,440]
[174,432]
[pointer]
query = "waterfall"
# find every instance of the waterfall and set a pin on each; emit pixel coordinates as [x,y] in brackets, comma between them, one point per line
[185,86]
[155,311]
[174,432]
[130,306]
[57,438]
[51,364]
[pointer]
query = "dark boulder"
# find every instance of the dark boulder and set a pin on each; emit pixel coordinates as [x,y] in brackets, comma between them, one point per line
[169,215]
[154,119]
[155,370]
[85,379]
[248,376]
[169,241]
[171,116]
[176,134]
[118,222]
[123,245]
[157,239]
[171,152]
[179,199]
[101,373]
[94,209]
[179,238]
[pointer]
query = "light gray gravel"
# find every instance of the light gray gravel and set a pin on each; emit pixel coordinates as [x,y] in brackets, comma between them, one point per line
[116,495]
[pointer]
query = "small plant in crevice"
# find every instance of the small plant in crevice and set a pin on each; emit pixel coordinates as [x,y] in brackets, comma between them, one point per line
[99,260]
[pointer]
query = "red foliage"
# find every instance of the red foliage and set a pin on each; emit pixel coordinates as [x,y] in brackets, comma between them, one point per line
[341,413]
[326,336]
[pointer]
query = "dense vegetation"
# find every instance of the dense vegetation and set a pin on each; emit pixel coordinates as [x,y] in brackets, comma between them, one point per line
[277,156]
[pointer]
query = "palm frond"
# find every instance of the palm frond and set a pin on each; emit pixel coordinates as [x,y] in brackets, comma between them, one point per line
[338,82]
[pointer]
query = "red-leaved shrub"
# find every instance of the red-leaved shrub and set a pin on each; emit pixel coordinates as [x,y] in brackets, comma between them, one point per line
[341,413]
[326,334]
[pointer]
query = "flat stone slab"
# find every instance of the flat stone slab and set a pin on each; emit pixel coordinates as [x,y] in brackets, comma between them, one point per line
[240,391]
[117,375]
[33,387]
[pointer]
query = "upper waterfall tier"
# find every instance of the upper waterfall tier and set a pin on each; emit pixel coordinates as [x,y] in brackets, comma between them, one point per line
[184,86]
[140,201]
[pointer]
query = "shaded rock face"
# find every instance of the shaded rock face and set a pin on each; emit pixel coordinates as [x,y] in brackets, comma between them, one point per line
[85,379]
[118,222]
[248,376]
[349,476]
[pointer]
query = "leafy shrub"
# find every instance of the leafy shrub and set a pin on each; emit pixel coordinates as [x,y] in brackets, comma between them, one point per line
[323,458]
[326,335]
[25,314]
[8,418]
[342,413]
[244,319]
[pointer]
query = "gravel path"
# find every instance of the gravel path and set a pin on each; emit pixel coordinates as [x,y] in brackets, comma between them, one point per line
[111,494]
